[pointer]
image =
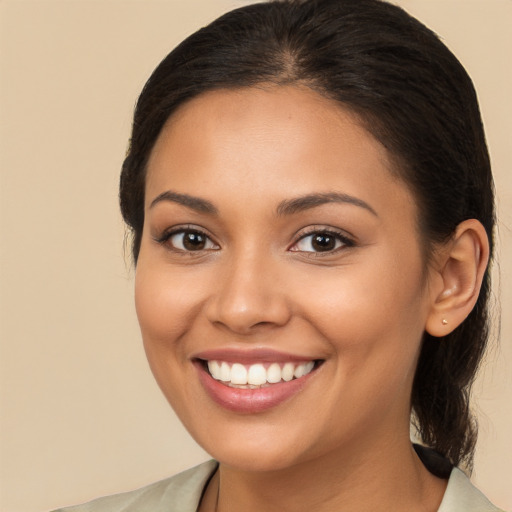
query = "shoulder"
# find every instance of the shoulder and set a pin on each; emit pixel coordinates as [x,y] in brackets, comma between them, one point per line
[180,493]
[462,496]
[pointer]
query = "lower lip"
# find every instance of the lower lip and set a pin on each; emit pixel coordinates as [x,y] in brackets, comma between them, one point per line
[250,401]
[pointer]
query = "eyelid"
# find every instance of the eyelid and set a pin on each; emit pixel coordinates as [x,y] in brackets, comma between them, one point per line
[168,233]
[346,239]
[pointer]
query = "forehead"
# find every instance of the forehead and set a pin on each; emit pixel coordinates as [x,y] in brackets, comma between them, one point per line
[269,142]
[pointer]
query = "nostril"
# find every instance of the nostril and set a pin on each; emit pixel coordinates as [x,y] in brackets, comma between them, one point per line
[245,296]
[249,315]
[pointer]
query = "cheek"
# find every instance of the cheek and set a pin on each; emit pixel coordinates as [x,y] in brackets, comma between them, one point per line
[372,316]
[166,307]
[362,297]
[166,303]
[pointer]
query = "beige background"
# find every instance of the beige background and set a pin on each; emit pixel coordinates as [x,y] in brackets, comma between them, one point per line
[80,414]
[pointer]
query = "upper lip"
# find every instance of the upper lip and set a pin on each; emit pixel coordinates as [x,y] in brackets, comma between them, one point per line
[249,356]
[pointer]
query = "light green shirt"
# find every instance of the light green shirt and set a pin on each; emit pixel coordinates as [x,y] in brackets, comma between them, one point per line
[182,493]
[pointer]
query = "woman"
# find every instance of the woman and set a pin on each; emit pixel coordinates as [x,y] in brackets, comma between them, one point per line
[311,203]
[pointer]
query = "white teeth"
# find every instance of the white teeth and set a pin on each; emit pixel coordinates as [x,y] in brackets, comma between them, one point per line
[214,368]
[225,372]
[274,373]
[256,375]
[287,372]
[238,374]
[299,371]
[303,369]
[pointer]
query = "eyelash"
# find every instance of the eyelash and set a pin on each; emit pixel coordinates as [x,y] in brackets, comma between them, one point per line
[165,238]
[346,242]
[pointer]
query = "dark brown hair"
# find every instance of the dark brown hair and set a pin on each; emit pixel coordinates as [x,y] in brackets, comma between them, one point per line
[408,90]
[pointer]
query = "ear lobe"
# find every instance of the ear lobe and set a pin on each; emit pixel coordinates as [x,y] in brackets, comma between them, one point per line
[462,268]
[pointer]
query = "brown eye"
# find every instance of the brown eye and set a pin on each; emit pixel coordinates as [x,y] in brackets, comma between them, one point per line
[193,241]
[189,240]
[321,241]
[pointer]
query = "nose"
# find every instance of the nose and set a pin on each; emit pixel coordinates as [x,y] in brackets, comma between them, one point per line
[249,296]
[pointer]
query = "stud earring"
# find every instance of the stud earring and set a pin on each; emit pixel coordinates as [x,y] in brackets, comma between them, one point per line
[444,321]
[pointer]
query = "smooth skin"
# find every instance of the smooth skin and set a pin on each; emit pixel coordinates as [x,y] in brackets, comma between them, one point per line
[235,166]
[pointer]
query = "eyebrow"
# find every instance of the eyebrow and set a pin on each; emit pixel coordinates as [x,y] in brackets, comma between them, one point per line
[286,207]
[299,204]
[192,202]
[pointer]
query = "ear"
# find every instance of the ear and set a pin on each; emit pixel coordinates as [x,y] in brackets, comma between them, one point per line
[461,265]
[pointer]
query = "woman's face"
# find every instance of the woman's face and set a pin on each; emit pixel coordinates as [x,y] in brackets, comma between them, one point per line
[277,241]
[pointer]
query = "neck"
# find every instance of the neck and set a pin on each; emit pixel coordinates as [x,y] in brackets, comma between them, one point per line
[376,479]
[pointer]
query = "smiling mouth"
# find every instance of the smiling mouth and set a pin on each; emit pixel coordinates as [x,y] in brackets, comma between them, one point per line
[259,375]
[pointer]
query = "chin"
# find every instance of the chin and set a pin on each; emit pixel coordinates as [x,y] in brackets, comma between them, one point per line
[250,460]
[265,447]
